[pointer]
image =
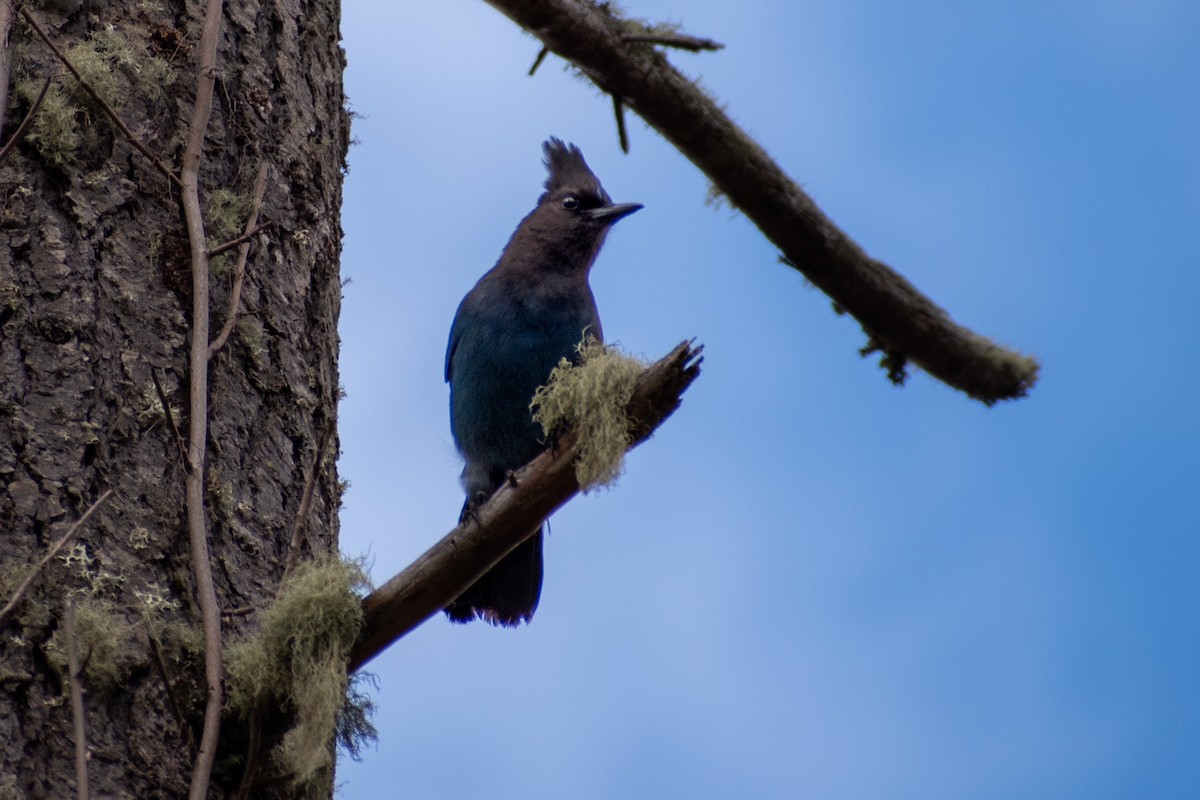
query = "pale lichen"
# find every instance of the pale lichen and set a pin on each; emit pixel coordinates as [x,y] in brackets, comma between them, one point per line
[107,643]
[589,397]
[298,659]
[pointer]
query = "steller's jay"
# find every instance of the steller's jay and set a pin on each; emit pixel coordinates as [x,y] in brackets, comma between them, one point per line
[523,316]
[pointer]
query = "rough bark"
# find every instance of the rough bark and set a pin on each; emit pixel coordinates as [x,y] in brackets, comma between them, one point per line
[95,303]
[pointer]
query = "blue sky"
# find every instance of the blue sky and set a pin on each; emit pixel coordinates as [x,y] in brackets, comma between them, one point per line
[809,583]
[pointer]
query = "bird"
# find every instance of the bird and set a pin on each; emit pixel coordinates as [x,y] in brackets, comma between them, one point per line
[511,329]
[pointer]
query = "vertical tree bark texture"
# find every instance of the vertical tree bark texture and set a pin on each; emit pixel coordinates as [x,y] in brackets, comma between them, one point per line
[95,300]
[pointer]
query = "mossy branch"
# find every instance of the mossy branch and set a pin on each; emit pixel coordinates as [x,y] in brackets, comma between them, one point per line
[589,398]
[296,663]
[15,139]
[910,326]
[432,581]
[239,272]
[133,139]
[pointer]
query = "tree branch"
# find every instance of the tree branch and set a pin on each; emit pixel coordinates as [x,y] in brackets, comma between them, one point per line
[239,240]
[170,416]
[239,272]
[77,710]
[682,41]
[164,675]
[889,308]
[197,522]
[622,133]
[431,582]
[52,552]
[137,143]
[306,496]
[25,123]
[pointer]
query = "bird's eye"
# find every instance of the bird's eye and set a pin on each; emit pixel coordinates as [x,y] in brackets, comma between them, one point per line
[570,202]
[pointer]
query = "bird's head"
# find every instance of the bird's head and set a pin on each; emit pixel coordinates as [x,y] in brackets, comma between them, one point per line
[575,213]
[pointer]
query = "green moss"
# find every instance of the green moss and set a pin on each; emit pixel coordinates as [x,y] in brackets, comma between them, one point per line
[179,644]
[225,214]
[154,76]
[150,409]
[253,336]
[106,640]
[12,575]
[9,789]
[220,492]
[219,266]
[590,398]
[55,130]
[99,60]
[113,65]
[298,661]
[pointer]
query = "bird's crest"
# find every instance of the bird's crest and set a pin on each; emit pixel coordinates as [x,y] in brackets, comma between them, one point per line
[567,168]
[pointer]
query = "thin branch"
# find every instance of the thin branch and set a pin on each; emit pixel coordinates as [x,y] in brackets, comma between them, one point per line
[241,238]
[161,665]
[889,308]
[66,539]
[19,133]
[310,483]
[619,113]
[197,525]
[252,750]
[432,581]
[680,41]
[170,415]
[77,710]
[239,273]
[137,143]
[537,62]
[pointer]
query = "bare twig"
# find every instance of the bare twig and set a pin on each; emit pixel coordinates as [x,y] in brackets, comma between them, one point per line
[432,581]
[197,524]
[890,309]
[77,711]
[252,750]
[67,537]
[137,143]
[170,415]
[537,62]
[310,483]
[25,123]
[176,709]
[239,272]
[619,113]
[241,238]
[681,41]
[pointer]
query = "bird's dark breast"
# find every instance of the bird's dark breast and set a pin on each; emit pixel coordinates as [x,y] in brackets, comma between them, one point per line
[490,413]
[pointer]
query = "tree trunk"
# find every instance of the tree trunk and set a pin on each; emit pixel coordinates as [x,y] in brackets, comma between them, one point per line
[95,307]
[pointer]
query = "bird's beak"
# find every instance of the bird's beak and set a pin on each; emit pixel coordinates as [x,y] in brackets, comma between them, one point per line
[610,214]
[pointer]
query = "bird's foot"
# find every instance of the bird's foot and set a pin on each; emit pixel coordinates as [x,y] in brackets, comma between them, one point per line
[470,511]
